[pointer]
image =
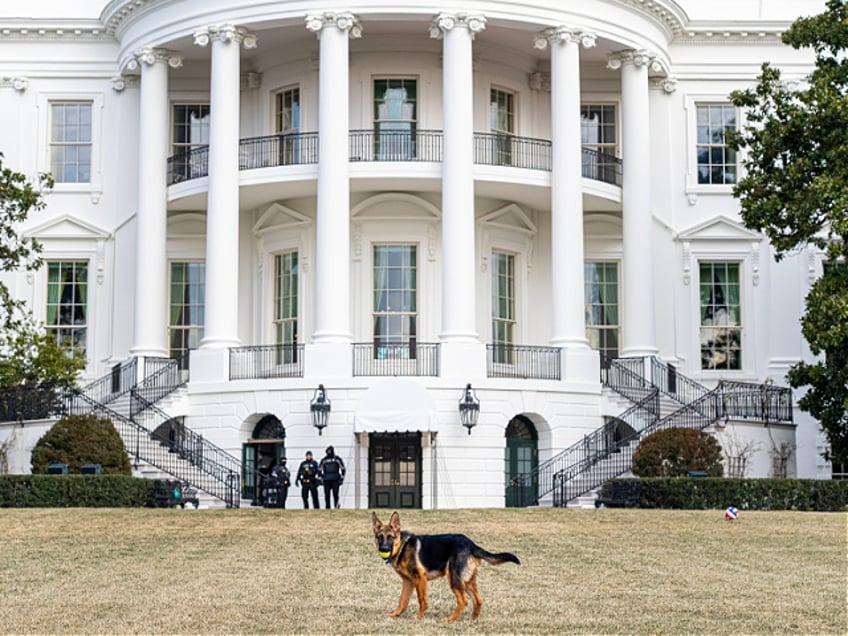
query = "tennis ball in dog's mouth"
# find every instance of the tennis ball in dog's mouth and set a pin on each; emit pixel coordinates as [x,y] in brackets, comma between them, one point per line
[385,555]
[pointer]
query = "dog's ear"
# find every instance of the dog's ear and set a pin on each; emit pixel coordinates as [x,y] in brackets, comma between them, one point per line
[375,523]
[394,522]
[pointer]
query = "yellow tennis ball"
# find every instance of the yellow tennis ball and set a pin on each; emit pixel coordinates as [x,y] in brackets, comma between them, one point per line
[385,555]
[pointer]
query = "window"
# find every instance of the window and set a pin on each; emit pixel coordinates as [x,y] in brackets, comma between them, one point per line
[601,298]
[190,140]
[598,136]
[502,124]
[67,291]
[721,319]
[187,307]
[503,306]
[70,141]
[395,119]
[287,122]
[716,161]
[395,301]
[286,305]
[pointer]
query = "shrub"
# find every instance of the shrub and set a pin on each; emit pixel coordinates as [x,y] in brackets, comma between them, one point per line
[77,440]
[65,491]
[675,451]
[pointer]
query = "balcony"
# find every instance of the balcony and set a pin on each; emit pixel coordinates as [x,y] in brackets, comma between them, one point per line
[407,359]
[293,149]
[266,361]
[523,362]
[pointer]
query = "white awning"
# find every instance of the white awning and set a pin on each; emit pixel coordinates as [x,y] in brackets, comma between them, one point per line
[396,405]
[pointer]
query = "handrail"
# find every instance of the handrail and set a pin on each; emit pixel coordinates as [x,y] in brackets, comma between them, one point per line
[266,361]
[411,358]
[301,148]
[523,362]
[595,446]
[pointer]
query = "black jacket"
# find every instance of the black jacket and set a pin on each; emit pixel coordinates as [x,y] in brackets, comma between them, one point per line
[307,474]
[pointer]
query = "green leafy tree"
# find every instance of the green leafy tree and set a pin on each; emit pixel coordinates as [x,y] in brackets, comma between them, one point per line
[78,440]
[795,190]
[675,451]
[28,357]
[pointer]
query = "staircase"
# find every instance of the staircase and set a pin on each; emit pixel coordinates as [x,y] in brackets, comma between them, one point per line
[661,398]
[158,443]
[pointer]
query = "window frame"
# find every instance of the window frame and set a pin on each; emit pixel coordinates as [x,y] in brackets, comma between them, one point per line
[691,103]
[406,347]
[58,326]
[739,326]
[194,326]
[400,150]
[617,327]
[503,348]
[288,348]
[45,100]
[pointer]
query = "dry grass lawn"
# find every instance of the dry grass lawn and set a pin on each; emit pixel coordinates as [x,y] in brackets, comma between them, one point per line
[116,571]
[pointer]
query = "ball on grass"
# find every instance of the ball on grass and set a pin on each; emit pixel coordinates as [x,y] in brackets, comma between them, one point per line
[731,513]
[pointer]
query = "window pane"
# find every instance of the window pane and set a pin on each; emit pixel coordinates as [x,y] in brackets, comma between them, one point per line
[67,308]
[721,316]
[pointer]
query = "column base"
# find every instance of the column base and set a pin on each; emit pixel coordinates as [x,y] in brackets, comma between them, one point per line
[328,360]
[209,365]
[463,361]
[581,368]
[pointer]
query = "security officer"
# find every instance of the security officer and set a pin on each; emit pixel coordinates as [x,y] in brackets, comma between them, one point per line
[281,478]
[307,478]
[332,471]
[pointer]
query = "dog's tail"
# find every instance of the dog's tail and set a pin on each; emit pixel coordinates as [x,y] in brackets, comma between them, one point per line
[495,559]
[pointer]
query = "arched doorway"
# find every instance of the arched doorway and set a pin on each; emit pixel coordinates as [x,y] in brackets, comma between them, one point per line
[522,459]
[259,454]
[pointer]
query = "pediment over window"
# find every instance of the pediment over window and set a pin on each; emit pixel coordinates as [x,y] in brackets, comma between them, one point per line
[278,216]
[720,228]
[394,206]
[67,227]
[510,217]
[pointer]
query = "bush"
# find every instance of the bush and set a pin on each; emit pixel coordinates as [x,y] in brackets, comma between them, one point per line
[675,451]
[715,494]
[77,440]
[71,491]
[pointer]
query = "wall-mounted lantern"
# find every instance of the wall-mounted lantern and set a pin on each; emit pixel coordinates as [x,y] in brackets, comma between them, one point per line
[469,408]
[320,407]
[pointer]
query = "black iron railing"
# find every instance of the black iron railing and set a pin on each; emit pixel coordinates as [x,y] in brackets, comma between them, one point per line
[163,376]
[403,359]
[523,361]
[23,403]
[493,149]
[490,149]
[266,361]
[396,145]
[764,402]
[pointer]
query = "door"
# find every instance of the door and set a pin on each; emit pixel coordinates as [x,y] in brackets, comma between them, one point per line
[394,467]
[522,460]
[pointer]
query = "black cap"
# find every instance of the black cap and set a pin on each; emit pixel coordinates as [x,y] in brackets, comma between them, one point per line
[329,450]
[308,452]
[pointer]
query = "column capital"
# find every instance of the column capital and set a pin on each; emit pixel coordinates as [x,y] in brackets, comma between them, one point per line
[227,33]
[562,34]
[637,58]
[342,21]
[148,56]
[666,84]
[447,21]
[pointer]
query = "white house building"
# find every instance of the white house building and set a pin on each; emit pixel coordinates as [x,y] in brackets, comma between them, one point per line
[353,215]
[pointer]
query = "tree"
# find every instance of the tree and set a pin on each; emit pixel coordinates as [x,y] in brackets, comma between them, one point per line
[795,190]
[675,451]
[28,356]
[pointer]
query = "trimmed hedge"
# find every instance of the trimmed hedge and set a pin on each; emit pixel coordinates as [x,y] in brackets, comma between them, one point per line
[75,491]
[746,494]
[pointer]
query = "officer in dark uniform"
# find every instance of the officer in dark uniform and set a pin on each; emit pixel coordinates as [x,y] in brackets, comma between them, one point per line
[281,478]
[332,471]
[307,478]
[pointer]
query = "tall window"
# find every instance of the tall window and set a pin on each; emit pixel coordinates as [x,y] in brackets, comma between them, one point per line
[286,305]
[70,141]
[287,118]
[395,300]
[716,161]
[601,298]
[503,306]
[67,291]
[721,316]
[502,124]
[598,135]
[190,133]
[187,307]
[395,119]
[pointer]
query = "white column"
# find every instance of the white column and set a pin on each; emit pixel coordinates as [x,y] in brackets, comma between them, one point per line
[458,221]
[638,333]
[150,331]
[567,301]
[332,249]
[222,209]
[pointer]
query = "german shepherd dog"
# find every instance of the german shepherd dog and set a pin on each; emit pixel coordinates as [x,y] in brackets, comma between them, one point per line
[418,558]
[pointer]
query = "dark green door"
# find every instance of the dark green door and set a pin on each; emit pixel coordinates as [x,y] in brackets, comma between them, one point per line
[394,463]
[522,460]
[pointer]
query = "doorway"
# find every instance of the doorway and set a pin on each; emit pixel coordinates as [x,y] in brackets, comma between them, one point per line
[522,460]
[258,456]
[394,470]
